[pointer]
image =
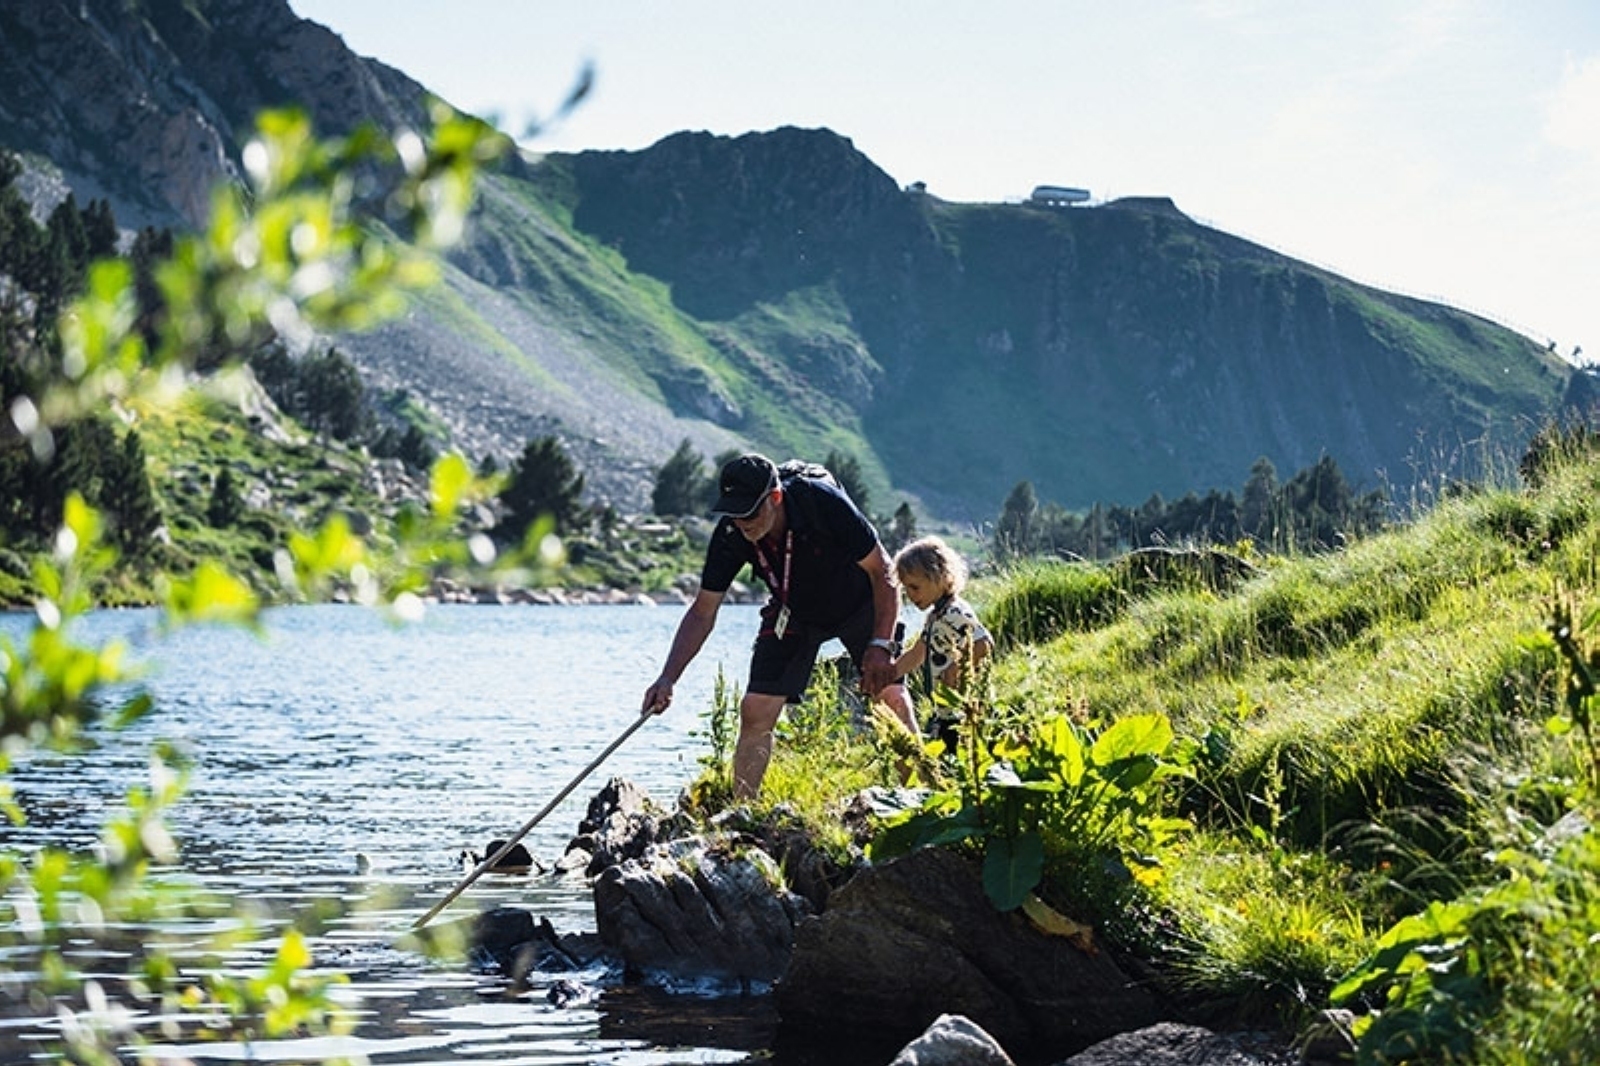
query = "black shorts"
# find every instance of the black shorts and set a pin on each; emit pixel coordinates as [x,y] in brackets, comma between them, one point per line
[783,667]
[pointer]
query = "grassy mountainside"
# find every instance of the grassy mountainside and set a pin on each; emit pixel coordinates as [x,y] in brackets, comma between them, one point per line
[1104,353]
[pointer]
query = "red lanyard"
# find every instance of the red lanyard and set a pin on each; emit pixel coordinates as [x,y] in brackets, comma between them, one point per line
[781,591]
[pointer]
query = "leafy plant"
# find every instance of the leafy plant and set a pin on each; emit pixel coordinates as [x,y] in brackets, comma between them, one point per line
[714,789]
[1056,788]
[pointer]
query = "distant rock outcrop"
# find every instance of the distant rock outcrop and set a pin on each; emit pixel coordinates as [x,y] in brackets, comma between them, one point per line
[149,105]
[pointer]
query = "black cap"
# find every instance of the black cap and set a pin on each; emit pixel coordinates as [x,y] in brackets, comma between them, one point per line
[744,483]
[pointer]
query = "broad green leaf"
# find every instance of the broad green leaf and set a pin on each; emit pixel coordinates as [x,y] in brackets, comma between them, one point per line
[923,829]
[1012,867]
[1398,951]
[1136,735]
[1058,736]
[1130,773]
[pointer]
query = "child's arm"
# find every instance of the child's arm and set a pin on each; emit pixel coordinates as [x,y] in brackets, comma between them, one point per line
[980,650]
[911,658]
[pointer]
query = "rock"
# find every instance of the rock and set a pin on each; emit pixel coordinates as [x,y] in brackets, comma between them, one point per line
[517,859]
[564,993]
[692,910]
[808,869]
[1329,1038]
[953,1041]
[1167,1044]
[509,939]
[916,938]
[621,823]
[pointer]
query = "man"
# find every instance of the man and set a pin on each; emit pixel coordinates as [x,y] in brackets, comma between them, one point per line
[828,576]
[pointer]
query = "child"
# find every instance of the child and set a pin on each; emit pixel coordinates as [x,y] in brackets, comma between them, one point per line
[953,641]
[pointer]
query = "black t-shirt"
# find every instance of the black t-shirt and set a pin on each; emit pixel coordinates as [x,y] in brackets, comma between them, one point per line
[831,537]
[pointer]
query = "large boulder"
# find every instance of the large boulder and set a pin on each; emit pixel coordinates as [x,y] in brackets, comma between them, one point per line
[916,938]
[696,910]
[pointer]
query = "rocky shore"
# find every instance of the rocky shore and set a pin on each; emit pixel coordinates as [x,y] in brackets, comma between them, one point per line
[909,954]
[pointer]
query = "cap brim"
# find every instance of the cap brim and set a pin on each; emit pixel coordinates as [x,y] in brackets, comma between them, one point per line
[737,506]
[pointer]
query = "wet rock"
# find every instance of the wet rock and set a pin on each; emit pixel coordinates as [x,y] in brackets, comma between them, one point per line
[511,940]
[564,993]
[953,1041]
[916,938]
[517,859]
[696,910]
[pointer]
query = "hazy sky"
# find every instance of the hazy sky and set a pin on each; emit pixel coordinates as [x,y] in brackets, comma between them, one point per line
[1446,149]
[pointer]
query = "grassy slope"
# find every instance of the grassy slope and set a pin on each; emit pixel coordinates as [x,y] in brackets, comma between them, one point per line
[1371,717]
[295,483]
[1366,719]
[667,354]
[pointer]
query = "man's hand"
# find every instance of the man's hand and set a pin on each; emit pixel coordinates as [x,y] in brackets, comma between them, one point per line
[657,698]
[877,670]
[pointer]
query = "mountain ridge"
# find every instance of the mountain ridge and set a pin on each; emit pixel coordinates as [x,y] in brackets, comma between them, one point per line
[778,290]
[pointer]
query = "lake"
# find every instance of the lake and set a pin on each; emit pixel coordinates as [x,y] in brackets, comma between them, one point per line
[342,757]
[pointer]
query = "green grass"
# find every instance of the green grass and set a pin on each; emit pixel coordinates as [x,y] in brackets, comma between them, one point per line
[1368,735]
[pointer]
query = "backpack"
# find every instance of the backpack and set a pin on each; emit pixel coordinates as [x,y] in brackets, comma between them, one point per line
[792,470]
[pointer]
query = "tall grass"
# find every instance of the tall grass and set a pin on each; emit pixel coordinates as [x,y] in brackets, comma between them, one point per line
[1370,741]
[1351,711]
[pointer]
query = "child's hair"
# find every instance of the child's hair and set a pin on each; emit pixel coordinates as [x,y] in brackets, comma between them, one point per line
[935,560]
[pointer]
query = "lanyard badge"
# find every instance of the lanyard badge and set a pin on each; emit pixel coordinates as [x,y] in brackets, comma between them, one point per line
[780,625]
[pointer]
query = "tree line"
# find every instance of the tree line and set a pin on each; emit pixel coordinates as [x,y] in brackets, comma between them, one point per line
[1315,510]
[42,267]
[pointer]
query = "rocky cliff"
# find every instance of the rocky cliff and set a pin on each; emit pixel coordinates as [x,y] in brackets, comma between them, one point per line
[778,290]
[1103,352]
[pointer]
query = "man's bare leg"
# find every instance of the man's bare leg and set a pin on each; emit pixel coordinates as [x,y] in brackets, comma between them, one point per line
[758,717]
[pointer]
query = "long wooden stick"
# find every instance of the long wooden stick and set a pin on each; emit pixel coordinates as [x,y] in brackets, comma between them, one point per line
[489,862]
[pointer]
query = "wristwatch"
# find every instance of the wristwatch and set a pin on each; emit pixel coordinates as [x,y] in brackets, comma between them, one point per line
[885,643]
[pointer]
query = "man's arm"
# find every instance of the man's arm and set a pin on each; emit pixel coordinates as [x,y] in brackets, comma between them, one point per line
[877,666]
[697,623]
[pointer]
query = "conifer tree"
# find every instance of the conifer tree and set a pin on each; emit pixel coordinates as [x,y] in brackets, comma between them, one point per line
[99,230]
[127,494]
[902,528]
[543,482]
[680,484]
[416,450]
[848,470]
[226,506]
[334,399]
[1014,533]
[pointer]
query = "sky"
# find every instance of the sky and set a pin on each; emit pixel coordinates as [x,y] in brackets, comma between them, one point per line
[1447,149]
